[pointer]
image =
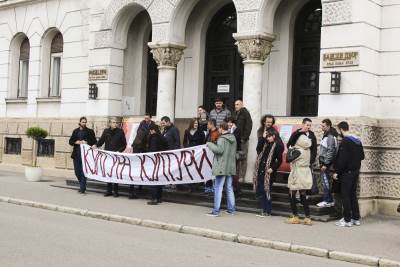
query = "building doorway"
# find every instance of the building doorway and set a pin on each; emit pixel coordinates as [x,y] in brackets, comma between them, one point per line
[223,75]
[307,47]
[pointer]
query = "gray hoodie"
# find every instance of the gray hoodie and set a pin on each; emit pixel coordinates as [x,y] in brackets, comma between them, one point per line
[328,149]
[225,155]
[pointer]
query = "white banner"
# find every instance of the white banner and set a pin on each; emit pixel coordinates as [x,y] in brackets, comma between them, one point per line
[181,166]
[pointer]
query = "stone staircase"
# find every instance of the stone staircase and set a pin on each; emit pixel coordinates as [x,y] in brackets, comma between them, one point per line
[245,202]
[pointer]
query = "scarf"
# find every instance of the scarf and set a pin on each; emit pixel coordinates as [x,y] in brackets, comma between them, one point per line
[267,176]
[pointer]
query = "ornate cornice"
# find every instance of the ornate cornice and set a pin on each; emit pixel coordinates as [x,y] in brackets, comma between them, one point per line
[254,48]
[167,55]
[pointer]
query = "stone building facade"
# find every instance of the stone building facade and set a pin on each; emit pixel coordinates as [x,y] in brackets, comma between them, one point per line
[167,57]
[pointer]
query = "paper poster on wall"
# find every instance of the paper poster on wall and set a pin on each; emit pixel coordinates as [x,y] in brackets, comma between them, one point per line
[223,88]
[285,132]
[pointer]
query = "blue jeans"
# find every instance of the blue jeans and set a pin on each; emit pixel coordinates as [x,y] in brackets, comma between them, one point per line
[218,187]
[265,203]
[326,186]
[79,172]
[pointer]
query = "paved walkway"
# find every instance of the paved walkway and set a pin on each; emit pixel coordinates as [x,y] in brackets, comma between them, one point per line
[378,236]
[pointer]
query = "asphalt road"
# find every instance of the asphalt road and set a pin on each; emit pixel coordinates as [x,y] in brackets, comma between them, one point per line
[33,237]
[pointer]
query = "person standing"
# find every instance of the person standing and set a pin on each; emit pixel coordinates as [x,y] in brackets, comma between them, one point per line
[156,143]
[203,118]
[194,136]
[305,130]
[140,144]
[81,135]
[170,133]
[236,132]
[114,140]
[224,166]
[212,136]
[327,154]
[347,169]
[269,159]
[245,124]
[219,113]
[300,177]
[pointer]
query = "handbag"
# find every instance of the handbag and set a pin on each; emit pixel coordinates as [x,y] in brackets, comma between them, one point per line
[292,154]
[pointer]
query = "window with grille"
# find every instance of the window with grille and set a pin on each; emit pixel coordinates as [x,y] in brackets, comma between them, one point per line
[13,146]
[46,148]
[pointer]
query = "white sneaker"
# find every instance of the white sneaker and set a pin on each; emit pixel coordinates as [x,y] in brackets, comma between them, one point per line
[322,204]
[343,223]
[356,222]
[330,204]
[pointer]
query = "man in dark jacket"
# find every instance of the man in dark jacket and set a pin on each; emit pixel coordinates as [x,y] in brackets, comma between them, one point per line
[170,133]
[347,166]
[114,140]
[156,143]
[305,129]
[140,144]
[81,135]
[245,125]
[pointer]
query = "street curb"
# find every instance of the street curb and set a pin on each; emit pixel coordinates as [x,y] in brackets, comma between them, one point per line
[212,234]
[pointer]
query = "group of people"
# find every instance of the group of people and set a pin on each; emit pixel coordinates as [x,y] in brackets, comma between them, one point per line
[227,135]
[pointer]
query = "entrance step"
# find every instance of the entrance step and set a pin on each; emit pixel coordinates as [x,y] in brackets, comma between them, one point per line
[245,202]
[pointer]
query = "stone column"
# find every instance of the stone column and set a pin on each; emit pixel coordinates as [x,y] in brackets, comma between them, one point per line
[167,57]
[254,49]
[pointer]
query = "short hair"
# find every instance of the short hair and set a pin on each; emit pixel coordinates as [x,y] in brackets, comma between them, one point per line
[224,126]
[218,100]
[201,107]
[239,99]
[148,114]
[166,119]
[306,120]
[230,119]
[112,119]
[154,127]
[343,125]
[82,118]
[328,122]
[212,121]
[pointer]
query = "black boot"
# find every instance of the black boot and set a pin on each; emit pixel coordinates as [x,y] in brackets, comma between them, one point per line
[152,202]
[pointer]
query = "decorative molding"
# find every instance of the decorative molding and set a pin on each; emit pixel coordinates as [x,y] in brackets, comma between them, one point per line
[336,12]
[254,47]
[167,55]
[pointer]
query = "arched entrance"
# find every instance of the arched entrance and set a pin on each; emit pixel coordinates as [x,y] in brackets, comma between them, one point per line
[307,46]
[223,75]
[152,83]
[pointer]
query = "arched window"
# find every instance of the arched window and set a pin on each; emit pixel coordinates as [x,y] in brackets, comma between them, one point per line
[56,50]
[23,74]
[307,48]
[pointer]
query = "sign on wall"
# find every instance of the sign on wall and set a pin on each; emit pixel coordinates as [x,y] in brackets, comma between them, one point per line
[340,59]
[98,74]
[223,88]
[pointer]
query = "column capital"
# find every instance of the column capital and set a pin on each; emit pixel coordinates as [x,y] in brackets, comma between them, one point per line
[167,55]
[254,48]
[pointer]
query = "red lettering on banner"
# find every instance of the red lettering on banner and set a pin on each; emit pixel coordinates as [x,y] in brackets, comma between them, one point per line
[200,166]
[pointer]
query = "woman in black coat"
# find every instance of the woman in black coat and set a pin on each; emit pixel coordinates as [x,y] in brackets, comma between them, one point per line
[194,136]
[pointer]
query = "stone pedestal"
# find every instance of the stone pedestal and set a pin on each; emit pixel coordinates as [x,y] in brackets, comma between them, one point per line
[254,50]
[167,57]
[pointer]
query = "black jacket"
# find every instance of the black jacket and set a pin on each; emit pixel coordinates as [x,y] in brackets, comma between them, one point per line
[276,160]
[244,123]
[350,155]
[157,143]
[171,135]
[197,139]
[238,137]
[88,136]
[113,140]
[313,149]
[140,144]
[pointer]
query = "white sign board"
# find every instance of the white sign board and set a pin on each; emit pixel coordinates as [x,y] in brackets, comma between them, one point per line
[223,88]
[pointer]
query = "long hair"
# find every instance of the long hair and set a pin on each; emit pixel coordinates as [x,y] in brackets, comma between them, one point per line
[260,130]
[191,124]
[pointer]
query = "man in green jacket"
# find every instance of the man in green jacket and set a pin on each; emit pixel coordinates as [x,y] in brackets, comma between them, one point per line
[224,166]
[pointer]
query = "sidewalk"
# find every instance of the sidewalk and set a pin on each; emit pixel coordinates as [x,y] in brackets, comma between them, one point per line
[378,236]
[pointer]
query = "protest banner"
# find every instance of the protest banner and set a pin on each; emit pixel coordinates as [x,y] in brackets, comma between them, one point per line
[181,166]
